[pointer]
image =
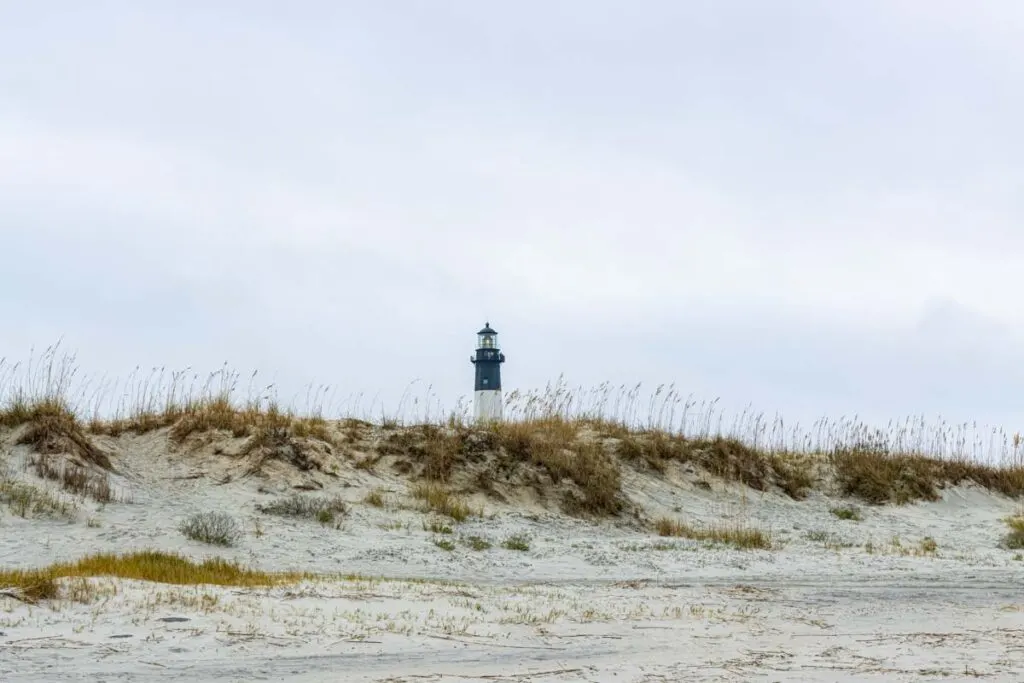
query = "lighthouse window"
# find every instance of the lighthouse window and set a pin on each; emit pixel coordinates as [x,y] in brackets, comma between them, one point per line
[484,381]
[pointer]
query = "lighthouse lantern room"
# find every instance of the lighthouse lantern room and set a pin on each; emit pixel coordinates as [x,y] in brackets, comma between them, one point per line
[487,401]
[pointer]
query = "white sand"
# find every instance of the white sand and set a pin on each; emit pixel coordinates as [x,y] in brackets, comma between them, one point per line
[587,601]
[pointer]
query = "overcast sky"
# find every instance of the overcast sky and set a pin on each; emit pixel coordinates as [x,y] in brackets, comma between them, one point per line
[815,208]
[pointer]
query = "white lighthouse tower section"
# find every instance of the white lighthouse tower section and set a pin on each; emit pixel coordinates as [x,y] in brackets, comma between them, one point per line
[487,399]
[487,405]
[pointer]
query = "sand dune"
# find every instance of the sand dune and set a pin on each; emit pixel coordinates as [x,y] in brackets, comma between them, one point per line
[919,592]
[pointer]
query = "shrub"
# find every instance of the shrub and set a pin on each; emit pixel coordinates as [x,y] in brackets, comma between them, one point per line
[215,528]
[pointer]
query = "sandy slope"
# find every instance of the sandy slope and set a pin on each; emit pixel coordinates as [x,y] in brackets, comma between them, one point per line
[587,602]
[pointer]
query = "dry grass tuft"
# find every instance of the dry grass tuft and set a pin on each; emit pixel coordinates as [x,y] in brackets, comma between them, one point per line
[74,478]
[738,536]
[52,428]
[311,428]
[727,458]
[877,475]
[437,498]
[375,498]
[42,584]
[24,500]
[271,432]
[441,451]
[555,445]
[1014,540]
[502,449]
[275,436]
[217,414]
[21,410]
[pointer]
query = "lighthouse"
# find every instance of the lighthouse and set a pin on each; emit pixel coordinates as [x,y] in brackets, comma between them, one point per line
[487,390]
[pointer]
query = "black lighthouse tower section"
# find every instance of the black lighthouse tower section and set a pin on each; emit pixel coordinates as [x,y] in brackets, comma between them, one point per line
[488,360]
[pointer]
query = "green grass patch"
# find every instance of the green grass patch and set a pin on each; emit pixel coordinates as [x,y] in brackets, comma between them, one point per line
[847,512]
[42,584]
[437,527]
[477,543]
[516,542]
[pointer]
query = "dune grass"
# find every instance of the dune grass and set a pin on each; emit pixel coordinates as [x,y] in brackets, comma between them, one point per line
[580,441]
[738,536]
[50,426]
[43,584]
[876,474]
[555,445]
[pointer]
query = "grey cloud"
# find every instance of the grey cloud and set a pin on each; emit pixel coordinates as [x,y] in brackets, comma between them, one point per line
[756,202]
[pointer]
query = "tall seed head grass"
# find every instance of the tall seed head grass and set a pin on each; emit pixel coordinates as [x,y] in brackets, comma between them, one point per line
[902,462]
